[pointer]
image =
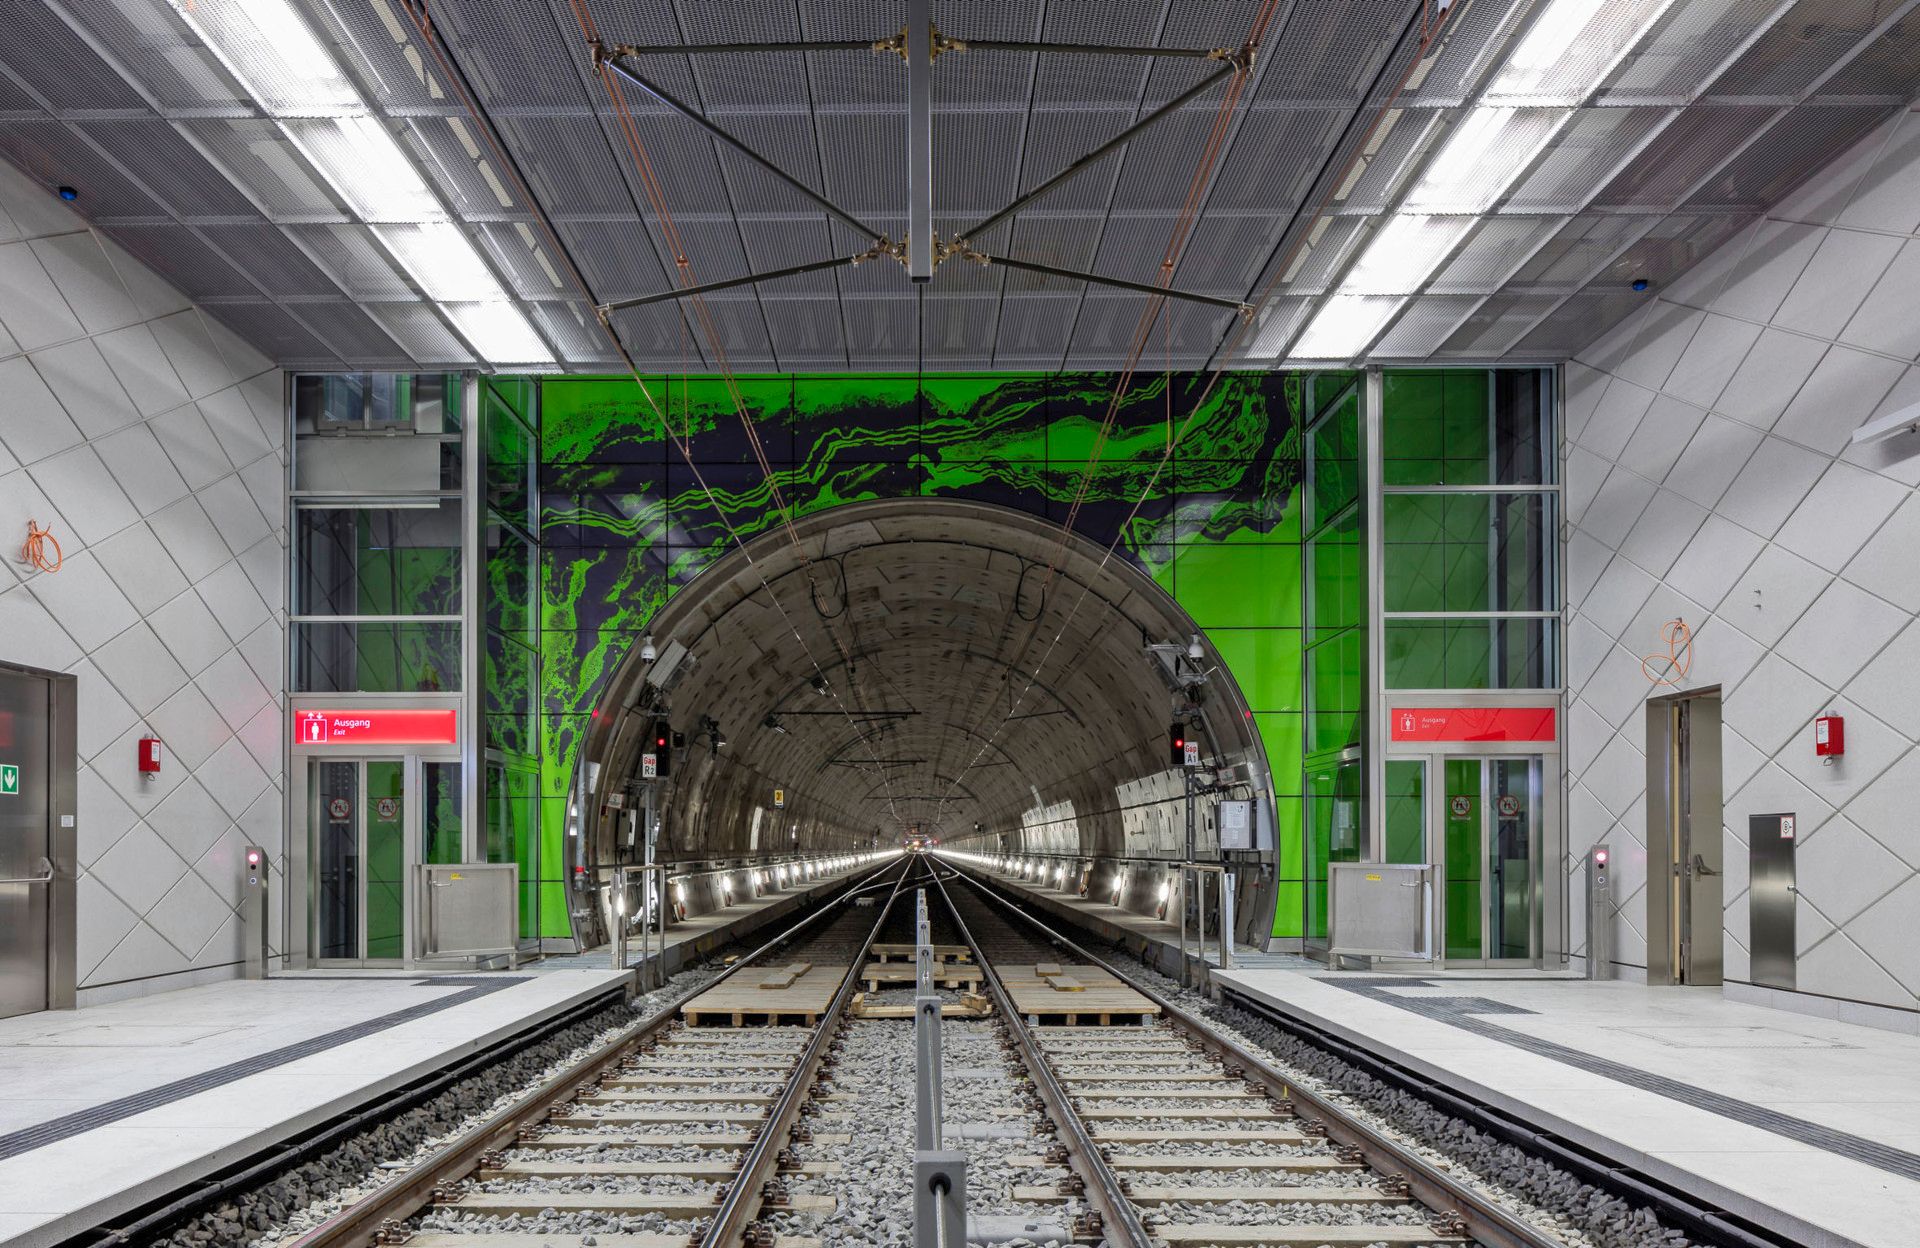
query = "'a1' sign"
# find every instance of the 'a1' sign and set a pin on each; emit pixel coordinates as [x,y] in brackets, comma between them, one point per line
[386,726]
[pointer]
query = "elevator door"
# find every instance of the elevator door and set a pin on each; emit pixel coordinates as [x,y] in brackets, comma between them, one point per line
[358,815]
[1489,859]
[26,841]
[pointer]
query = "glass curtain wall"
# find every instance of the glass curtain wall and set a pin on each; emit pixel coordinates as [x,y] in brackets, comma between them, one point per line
[377,532]
[1469,530]
[378,591]
[1335,679]
[509,436]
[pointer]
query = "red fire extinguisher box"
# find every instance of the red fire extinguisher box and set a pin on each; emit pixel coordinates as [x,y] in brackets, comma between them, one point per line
[1829,736]
[149,754]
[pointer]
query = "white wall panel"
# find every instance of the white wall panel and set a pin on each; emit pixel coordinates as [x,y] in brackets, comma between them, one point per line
[1800,578]
[156,506]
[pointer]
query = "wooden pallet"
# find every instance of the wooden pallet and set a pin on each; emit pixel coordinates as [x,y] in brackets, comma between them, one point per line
[971,1005]
[673,1204]
[885,952]
[803,999]
[1300,1236]
[1167,1194]
[1074,995]
[945,975]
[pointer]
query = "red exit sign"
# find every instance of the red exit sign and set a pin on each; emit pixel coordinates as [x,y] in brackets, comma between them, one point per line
[1473,723]
[397,726]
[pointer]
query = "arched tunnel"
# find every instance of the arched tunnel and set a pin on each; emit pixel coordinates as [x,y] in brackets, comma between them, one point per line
[940,669]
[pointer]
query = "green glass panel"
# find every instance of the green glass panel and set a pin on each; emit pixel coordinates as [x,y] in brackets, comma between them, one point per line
[1336,464]
[440,805]
[1336,692]
[1239,582]
[1264,662]
[1511,852]
[1333,832]
[1289,908]
[375,657]
[1460,839]
[1472,654]
[1335,572]
[1435,427]
[1406,812]
[1280,738]
[379,560]
[386,859]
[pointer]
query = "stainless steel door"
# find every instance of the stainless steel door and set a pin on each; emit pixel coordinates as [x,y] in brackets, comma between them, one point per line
[1770,903]
[26,841]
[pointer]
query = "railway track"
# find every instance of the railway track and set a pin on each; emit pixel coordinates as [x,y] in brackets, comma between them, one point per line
[666,1139]
[749,1128]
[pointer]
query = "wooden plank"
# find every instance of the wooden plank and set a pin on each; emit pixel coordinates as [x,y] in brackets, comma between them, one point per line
[677,1098]
[1140,1194]
[887,950]
[608,1239]
[948,976]
[1046,970]
[1078,992]
[617,1117]
[804,999]
[1129,1135]
[1171,1163]
[712,1170]
[1301,1236]
[569,1139]
[1172,1076]
[1226,1112]
[649,1080]
[1162,1094]
[673,1204]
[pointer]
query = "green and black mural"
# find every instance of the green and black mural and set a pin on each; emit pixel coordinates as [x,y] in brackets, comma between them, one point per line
[625,523]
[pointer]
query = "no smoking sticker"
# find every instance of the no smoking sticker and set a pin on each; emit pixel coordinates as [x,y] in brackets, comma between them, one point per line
[388,807]
[1509,805]
[338,808]
[1461,806]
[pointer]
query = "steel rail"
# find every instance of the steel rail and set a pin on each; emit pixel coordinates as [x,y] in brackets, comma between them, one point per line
[1121,1226]
[1481,1218]
[358,1225]
[742,1202]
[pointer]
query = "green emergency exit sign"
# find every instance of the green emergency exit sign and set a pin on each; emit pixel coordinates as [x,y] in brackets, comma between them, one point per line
[9,780]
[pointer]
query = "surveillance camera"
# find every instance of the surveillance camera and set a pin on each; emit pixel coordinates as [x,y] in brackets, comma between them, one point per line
[647,653]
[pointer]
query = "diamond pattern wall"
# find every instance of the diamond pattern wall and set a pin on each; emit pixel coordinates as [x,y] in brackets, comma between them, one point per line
[150,439]
[1711,477]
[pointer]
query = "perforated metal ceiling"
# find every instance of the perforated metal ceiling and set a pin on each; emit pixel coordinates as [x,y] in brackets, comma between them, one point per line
[1717,108]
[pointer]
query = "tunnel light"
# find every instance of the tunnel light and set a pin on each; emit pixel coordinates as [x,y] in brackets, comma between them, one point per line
[1194,650]
[820,685]
[772,723]
[1166,890]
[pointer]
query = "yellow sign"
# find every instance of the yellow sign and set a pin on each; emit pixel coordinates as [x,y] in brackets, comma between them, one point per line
[454,876]
[779,799]
[1371,878]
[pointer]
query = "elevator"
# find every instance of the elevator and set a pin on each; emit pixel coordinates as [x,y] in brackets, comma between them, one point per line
[38,767]
[1685,897]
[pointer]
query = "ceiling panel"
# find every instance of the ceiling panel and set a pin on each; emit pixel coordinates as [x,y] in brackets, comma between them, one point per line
[1712,112]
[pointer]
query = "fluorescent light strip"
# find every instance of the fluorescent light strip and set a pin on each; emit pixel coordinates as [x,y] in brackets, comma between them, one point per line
[1478,164]
[270,49]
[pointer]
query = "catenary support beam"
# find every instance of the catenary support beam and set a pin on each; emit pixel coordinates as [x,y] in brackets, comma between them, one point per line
[698,118]
[1145,288]
[920,140]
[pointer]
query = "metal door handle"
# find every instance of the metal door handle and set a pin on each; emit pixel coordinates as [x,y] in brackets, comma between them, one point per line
[1700,866]
[431,884]
[45,877]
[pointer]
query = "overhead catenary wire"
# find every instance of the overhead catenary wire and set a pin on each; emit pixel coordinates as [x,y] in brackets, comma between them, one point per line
[1432,20]
[456,79]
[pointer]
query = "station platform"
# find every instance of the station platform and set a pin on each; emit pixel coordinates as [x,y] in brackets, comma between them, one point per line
[1808,1126]
[112,1106]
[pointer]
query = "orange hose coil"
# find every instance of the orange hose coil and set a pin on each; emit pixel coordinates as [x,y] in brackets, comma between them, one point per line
[35,551]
